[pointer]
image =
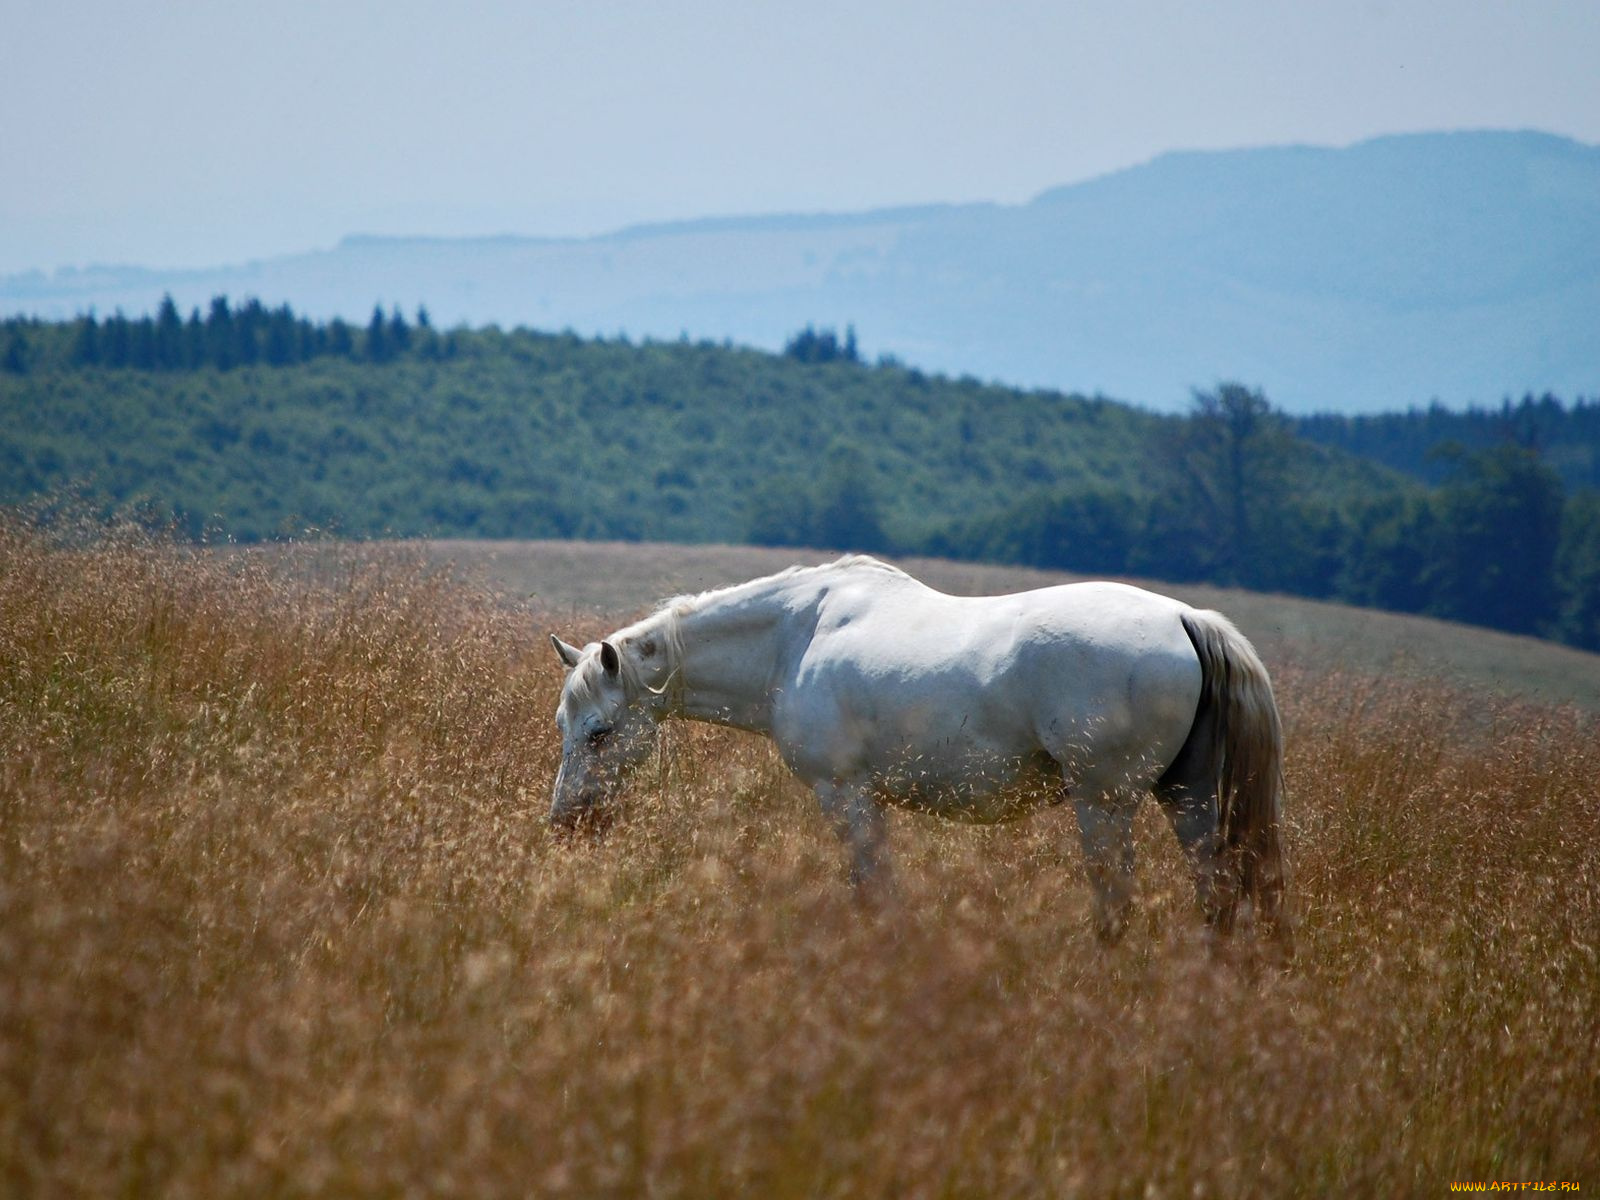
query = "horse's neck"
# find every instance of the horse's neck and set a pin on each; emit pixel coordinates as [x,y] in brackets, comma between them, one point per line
[732,647]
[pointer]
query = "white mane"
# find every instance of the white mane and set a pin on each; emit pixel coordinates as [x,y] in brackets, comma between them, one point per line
[661,633]
[658,634]
[690,602]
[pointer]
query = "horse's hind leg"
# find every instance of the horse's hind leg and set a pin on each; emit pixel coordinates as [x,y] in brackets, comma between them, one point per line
[1191,810]
[1105,823]
[1188,795]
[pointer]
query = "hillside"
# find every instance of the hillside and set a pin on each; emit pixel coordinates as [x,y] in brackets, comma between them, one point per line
[1463,267]
[524,434]
[255,423]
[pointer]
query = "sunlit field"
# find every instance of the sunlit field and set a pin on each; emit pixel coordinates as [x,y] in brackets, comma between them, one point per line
[279,915]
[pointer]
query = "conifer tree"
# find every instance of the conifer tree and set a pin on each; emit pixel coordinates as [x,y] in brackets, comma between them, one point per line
[16,358]
[116,348]
[142,344]
[377,337]
[169,336]
[194,341]
[399,332]
[86,342]
[247,328]
[222,347]
[281,340]
[310,340]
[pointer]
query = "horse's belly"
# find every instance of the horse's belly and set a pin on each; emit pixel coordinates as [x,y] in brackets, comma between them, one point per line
[984,790]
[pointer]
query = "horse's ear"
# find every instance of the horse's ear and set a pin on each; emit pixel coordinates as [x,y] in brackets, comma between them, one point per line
[609,659]
[569,655]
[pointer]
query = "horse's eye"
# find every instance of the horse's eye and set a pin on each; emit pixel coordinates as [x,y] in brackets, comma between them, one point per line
[597,737]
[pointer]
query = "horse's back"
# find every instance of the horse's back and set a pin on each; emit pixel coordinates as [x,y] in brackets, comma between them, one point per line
[1100,672]
[1095,627]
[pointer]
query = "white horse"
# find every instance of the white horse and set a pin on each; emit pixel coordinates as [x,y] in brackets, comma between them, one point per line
[879,690]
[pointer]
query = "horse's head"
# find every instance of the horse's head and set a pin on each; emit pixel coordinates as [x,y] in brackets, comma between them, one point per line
[607,729]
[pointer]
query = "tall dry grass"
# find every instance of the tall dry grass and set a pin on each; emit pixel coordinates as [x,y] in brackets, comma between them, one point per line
[279,916]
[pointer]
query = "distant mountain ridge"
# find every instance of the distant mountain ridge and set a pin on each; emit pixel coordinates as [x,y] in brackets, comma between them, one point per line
[1461,267]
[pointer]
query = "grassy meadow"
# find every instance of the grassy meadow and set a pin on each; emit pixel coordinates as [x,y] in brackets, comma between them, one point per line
[279,915]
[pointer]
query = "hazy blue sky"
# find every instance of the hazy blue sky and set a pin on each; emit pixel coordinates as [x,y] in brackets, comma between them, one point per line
[202,132]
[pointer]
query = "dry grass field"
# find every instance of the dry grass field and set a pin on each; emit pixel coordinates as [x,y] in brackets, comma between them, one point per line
[279,916]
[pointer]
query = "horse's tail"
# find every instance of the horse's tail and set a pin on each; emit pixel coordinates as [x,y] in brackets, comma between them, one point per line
[1245,761]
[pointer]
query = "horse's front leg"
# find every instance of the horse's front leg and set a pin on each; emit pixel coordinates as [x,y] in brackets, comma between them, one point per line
[858,818]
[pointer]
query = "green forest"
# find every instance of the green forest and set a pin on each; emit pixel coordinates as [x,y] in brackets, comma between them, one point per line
[251,423]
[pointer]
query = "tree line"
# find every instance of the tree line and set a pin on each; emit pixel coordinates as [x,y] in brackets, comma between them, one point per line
[226,337]
[252,422]
[1423,441]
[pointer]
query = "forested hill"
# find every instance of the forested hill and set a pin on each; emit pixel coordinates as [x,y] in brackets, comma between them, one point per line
[254,422]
